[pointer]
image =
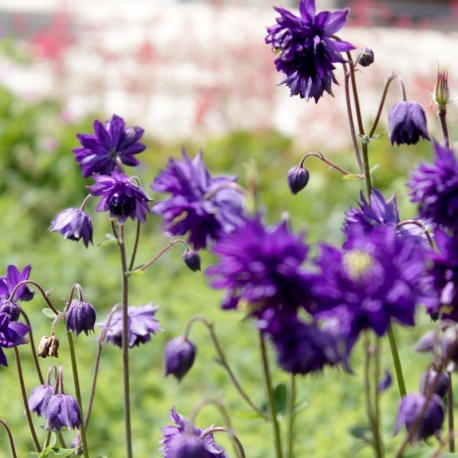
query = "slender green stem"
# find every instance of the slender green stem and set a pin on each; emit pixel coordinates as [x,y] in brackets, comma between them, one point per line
[270,397]
[367,171]
[451,419]
[10,438]
[367,386]
[135,248]
[36,442]
[396,362]
[125,342]
[388,82]
[33,348]
[38,286]
[164,250]
[78,392]
[377,416]
[322,158]
[228,431]
[443,121]
[355,95]
[292,416]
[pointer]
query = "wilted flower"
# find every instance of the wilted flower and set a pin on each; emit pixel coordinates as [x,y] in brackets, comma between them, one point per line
[192,260]
[80,317]
[407,123]
[48,346]
[73,224]
[307,48]
[200,205]
[186,438]
[141,324]
[262,266]
[13,277]
[435,189]
[62,411]
[39,399]
[114,141]
[179,355]
[11,308]
[121,197]
[298,177]
[376,278]
[12,334]
[410,410]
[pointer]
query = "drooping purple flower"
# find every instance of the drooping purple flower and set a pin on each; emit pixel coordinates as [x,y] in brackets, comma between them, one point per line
[301,348]
[377,278]
[192,260]
[185,437]
[9,281]
[141,324]
[434,187]
[80,317]
[62,411]
[179,355]
[39,399]
[263,267]
[307,49]
[119,196]
[113,142]
[12,334]
[200,205]
[298,177]
[73,224]
[410,409]
[407,123]
[433,381]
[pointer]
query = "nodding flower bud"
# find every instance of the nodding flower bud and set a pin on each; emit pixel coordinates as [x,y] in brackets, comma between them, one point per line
[73,224]
[429,384]
[298,177]
[80,317]
[62,411]
[441,94]
[49,345]
[39,398]
[192,260]
[407,123]
[179,355]
[77,444]
[11,308]
[365,57]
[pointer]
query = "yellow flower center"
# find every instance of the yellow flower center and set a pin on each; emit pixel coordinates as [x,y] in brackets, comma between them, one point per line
[357,263]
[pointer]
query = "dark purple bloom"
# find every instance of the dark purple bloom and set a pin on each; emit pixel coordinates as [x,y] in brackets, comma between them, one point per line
[192,260]
[39,398]
[179,355]
[307,48]
[9,281]
[298,177]
[12,334]
[111,143]
[11,308]
[141,324]
[184,438]
[200,205]
[262,266]
[407,123]
[62,411]
[376,278]
[435,189]
[365,57]
[433,381]
[80,317]
[301,348]
[411,408]
[121,197]
[73,224]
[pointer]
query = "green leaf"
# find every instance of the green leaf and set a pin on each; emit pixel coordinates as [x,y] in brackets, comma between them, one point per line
[281,399]
[374,168]
[352,177]
[361,432]
[131,273]
[110,240]
[48,313]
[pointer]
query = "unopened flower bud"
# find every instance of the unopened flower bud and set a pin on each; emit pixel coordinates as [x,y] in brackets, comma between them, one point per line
[298,177]
[365,57]
[441,94]
[429,384]
[427,342]
[80,317]
[11,308]
[48,346]
[192,260]
[407,123]
[179,355]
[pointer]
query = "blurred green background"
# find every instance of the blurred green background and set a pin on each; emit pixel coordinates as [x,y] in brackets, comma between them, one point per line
[41,178]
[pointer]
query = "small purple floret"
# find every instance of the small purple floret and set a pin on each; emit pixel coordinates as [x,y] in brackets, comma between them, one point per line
[179,355]
[407,123]
[12,334]
[73,224]
[80,317]
[298,177]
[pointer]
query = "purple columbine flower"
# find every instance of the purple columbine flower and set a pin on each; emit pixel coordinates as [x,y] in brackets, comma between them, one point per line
[307,48]
[80,317]
[435,189]
[39,399]
[141,324]
[62,411]
[111,143]
[301,348]
[73,224]
[262,266]
[185,437]
[119,196]
[410,409]
[378,277]
[407,123]
[9,281]
[200,205]
[179,355]
[12,334]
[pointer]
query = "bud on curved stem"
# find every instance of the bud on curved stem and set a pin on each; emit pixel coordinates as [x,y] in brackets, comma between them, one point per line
[228,431]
